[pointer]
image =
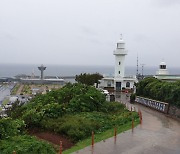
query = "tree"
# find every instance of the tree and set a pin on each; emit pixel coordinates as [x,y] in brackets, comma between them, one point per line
[160,90]
[89,79]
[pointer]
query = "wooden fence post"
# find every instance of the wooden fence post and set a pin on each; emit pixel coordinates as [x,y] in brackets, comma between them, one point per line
[92,139]
[61,148]
[132,125]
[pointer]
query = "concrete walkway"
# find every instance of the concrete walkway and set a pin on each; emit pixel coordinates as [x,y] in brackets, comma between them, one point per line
[158,134]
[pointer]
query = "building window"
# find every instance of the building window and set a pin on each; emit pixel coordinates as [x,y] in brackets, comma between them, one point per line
[109,84]
[119,63]
[162,66]
[119,72]
[127,84]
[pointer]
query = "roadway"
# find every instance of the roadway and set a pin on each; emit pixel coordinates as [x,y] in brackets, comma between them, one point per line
[158,134]
[5,90]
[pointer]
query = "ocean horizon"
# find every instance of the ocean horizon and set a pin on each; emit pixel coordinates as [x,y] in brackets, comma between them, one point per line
[11,70]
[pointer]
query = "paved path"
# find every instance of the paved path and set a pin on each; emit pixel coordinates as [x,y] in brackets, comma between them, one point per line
[158,134]
[4,91]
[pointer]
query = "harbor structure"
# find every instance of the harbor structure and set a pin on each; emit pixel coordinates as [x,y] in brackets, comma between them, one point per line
[119,81]
[42,79]
[42,69]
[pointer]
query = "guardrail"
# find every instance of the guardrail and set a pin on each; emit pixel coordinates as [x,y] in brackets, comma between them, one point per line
[157,105]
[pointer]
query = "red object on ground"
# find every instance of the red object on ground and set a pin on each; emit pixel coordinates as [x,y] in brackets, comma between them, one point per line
[132,125]
[92,138]
[60,148]
[115,132]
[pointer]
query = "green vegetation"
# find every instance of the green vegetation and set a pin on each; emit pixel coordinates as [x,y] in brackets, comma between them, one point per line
[5,102]
[132,98]
[26,89]
[74,111]
[160,90]
[101,136]
[9,127]
[25,144]
[15,89]
[12,138]
[89,79]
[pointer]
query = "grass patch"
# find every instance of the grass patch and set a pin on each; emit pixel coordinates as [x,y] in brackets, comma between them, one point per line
[102,136]
[26,89]
[15,89]
[5,101]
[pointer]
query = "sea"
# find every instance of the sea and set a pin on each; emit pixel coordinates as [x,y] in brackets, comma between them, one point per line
[11,70]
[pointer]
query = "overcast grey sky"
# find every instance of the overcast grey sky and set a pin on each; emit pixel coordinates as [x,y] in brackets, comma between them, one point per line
[85,32]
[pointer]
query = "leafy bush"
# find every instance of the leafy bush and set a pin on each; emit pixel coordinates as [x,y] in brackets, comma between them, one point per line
[132,98]
[79,126]
[72,98]
[9,127]
[75,111]
[32,117]
[160,90]
[25,145]
[89,79]
[74,126]
[114,107]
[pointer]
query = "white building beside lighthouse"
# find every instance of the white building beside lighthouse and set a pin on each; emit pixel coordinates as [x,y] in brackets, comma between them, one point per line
[162,69]
[163,73]
[119,81]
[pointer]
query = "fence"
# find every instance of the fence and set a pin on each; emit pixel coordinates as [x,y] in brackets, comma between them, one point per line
[157,105]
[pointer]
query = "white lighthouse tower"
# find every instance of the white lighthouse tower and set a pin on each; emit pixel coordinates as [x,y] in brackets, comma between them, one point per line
[119,81]
[120,54]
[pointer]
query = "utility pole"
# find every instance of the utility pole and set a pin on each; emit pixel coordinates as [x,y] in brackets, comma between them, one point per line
[137,71]
[142,70]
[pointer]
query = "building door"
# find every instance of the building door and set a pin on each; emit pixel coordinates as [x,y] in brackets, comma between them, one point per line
[118,86]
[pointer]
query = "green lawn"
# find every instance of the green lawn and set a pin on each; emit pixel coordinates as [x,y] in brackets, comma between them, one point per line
[102,136]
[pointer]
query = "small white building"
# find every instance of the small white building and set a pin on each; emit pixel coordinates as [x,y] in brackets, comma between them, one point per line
[162,69]
[163,74]
[119,81]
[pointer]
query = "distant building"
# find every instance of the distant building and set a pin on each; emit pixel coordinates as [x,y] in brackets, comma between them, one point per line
[162,69]
[42,79]
[119,81]
[163,73]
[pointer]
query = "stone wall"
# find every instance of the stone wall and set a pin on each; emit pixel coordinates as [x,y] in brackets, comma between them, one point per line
[174,111]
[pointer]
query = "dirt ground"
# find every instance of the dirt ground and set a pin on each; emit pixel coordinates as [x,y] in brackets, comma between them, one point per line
[51,137]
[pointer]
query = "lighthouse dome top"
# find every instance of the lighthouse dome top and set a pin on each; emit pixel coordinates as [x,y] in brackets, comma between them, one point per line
[121,40]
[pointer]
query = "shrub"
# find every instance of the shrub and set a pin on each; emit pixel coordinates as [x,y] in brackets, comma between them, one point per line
[114,107]
[25,145]
[160,90]
[73,126]
[132,98]
[32,117]
[9,127]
